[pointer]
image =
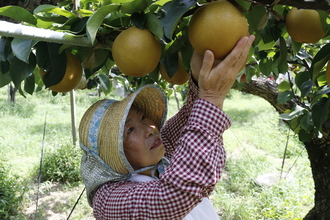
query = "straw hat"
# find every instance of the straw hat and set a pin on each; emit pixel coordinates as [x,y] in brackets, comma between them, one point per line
[101,134]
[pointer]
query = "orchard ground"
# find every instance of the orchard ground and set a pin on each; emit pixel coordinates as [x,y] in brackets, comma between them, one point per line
[255,144]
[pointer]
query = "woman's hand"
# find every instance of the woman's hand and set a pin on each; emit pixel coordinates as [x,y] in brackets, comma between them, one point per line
[196,63]
[215,81]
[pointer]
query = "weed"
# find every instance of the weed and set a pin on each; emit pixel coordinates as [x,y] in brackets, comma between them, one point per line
[25,110]
[12,192]
[61,164]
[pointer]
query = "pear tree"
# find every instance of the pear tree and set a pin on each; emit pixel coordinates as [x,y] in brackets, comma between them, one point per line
[290,75]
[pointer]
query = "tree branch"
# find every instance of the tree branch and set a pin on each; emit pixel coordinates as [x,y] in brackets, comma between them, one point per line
[267,89]
[27,32]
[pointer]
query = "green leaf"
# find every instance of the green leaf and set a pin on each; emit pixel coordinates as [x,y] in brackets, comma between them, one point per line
[20,70]
[320,112]
[306,88]
[162,2]
[300,79]
[37,78]
[54,10]
[255,16]
[283,64]
[323,91]
[85,13]
[131,6]
[306,121]
[99,58]
[294,125]
[320,59]
[170,63]
[304,136]
[18,13]
[95,21]
[53,62]
[283,86]
[22,48]
[5,48]
[298,110]
[29,84]
[82,2]
[79,26]
[105,83]
[265,66]
[295,46]
[172,47]
[323,17]
[4,66]
[263,46]
[172,13]
[153,25]
[285,96]
[280,57]
[154,75]
[5,79]
[21,92]
[118,19]
[186,49]
[139,19]
[244,4]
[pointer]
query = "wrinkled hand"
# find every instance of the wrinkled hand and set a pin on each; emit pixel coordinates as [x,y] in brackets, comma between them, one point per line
[196,63]
[215,81]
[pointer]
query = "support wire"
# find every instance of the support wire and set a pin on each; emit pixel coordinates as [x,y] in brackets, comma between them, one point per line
[40,167]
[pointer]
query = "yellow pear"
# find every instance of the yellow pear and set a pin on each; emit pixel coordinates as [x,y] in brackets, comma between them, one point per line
[217,26]
[304,25]
[136,52]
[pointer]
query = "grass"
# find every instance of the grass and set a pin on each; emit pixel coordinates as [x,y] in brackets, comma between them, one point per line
[255,144]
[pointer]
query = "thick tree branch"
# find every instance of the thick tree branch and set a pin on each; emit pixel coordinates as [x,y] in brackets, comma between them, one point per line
[266,89]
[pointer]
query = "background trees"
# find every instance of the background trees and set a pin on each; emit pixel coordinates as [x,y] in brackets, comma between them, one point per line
[288,74]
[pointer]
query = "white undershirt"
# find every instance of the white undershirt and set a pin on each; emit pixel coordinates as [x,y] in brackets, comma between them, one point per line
[204,210]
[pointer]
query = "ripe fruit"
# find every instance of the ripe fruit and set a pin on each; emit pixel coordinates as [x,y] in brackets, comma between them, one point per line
[217,26]
[304,25]
[243,78]
[72,76]
[180,76]
[136,52]
[327,73]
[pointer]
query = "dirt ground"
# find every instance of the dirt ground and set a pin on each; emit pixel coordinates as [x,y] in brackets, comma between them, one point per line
[55,202]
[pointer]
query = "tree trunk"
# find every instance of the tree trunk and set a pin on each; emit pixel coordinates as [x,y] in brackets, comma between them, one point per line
[11,93]
[318,149]
[319,152]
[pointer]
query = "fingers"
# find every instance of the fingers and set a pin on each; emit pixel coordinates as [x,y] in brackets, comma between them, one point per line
[239,54]
[207,63]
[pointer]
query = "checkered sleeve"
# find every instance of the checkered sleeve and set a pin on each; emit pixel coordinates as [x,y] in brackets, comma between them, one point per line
[195,168]
[171,131]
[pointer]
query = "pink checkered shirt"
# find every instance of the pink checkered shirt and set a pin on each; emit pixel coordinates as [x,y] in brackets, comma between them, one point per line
[194,146]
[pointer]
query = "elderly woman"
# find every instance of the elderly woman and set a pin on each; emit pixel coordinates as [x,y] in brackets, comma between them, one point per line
[136,168]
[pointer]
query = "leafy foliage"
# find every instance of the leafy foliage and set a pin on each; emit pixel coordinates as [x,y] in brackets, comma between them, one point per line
[61,165]
[274,53]
[12,191]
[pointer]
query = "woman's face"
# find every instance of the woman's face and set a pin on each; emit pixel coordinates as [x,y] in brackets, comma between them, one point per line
[142,144]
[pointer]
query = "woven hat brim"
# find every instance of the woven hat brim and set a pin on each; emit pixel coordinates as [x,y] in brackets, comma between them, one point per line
[151,100]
